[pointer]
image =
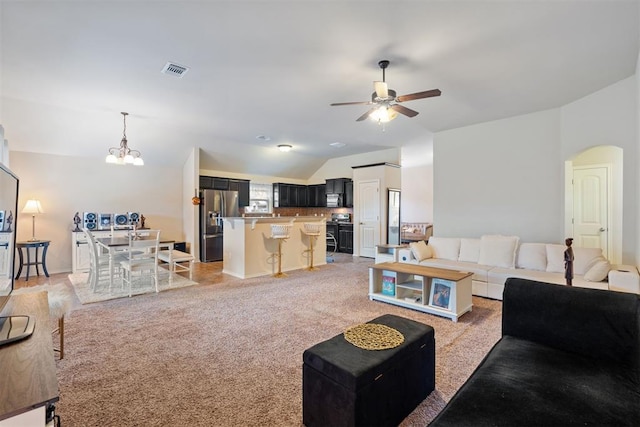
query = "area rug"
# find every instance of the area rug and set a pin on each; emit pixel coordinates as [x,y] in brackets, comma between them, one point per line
[228,352]
[139,286]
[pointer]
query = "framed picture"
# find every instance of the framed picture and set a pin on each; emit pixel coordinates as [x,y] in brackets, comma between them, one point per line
[440,295]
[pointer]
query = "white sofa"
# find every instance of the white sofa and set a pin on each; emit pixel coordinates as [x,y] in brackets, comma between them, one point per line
[492,259]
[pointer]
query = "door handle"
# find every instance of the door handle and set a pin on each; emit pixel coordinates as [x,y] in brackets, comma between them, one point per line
[601,229]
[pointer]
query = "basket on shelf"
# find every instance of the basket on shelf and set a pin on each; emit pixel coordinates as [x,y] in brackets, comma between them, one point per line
[312,228]
[280,231]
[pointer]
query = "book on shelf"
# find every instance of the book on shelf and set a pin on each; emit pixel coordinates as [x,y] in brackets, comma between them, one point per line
[389,285]
[415,298]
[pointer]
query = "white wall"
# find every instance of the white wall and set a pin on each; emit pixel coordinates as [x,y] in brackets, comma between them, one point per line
[500,177]
[66,185]
[609,117]
[507,176]
[416,203]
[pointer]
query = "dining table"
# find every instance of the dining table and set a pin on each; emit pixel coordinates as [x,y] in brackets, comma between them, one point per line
[115,244]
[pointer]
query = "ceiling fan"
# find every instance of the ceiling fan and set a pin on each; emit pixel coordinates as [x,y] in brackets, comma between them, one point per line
[386,103]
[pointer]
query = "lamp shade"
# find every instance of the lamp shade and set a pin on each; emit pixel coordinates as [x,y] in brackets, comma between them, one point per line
[33,206]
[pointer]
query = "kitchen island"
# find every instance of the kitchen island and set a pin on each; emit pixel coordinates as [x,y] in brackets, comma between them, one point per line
[249,251]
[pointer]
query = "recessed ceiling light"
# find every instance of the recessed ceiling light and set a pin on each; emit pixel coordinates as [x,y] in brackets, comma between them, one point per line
[263,138]
[284,147]
[337,144]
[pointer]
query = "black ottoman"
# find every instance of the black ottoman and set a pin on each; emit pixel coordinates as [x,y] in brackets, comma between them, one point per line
[343,385]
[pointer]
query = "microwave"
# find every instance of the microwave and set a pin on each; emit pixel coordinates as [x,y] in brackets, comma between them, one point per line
[258,206]
[334,200]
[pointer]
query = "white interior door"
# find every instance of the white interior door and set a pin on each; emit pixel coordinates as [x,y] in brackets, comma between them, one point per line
[369,217]
[591,208]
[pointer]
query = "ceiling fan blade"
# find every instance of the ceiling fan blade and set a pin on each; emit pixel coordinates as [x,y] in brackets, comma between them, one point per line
[351,103]
[382,90]
[365,115]
[404,110]
[418,95]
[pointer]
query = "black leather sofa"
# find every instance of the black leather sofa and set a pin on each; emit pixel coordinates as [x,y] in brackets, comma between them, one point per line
[567,357]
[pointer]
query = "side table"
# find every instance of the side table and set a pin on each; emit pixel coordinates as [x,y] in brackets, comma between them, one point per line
[37,244]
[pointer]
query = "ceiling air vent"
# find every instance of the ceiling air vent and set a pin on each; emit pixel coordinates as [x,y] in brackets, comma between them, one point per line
[175,69]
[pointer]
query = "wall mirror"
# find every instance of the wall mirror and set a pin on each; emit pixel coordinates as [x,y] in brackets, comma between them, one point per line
[8,209]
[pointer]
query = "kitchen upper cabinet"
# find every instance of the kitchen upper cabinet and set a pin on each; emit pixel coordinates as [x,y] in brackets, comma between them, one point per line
[218,183]
[317,196]
[336,186]
[300,196]
[242,187]
[348,194]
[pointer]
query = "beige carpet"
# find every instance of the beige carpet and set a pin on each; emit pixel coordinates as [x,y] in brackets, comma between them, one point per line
[139,286]
[229,353]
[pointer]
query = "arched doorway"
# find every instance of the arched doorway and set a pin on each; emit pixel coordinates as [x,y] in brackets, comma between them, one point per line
[593,200]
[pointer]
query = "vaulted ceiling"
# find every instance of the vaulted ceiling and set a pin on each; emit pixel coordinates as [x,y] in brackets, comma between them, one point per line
[272,67]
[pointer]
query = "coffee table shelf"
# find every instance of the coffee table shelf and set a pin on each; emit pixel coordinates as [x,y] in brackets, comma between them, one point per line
[431,290]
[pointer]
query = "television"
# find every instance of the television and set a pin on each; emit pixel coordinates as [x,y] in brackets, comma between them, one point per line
[12,328]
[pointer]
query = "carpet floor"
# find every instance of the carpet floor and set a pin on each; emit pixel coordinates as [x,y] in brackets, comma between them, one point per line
[139,286]
[230,353]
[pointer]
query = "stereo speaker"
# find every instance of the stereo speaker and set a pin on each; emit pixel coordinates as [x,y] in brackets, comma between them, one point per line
[90,220]
[134,218]
[105,221]
[121,219]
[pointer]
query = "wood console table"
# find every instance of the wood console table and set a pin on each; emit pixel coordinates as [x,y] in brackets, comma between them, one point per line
[29,382]
[431,290]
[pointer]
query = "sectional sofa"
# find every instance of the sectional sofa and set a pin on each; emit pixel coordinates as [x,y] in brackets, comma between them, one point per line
[494,258]
[567,357]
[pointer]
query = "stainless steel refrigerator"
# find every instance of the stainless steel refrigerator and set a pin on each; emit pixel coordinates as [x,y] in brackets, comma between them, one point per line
[215,206]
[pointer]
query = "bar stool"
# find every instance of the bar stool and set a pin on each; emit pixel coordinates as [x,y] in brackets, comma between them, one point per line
[313,231]
[280,232]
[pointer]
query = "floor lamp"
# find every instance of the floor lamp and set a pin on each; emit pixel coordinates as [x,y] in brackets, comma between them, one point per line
[33,207]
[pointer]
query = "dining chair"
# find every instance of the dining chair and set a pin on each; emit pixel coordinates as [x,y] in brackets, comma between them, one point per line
[99,261]
[142,258]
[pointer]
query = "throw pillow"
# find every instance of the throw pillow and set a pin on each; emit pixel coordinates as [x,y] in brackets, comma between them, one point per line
[599,271]
[532,256]
[585,258]
[498,251]
[555,258]
[445,247]
[469,250]
[420,250]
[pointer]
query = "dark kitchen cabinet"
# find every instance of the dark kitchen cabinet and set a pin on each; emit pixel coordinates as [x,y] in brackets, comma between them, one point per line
[242,187]
[220,183]
[348,194]
[300,196]
[336,185]
[316,196]
[332,229]
[290,195]
[280,195]
[345,238]
[206,182]
[213,183]
[217,183]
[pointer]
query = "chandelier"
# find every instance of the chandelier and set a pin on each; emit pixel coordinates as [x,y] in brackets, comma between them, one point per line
[123,155]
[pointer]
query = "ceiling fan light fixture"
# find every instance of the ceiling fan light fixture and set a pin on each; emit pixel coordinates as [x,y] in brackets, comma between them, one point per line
[284,147]
[383,114]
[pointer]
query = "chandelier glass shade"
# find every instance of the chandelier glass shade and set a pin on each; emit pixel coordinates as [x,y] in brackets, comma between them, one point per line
[123,155]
